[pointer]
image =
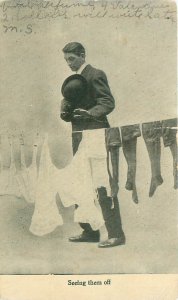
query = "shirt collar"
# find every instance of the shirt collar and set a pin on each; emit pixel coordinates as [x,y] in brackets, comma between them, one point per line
[81,68]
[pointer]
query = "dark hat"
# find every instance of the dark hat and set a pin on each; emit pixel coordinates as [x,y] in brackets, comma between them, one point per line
[74,87]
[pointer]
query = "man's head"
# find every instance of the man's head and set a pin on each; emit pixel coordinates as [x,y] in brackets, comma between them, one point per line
[74,54]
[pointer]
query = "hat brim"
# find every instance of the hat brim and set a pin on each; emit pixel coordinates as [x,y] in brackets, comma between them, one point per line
[74,77]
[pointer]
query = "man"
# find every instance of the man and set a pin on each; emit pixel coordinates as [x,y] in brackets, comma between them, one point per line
[91,113]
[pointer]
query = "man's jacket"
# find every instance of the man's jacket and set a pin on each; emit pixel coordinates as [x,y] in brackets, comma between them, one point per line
[98,101]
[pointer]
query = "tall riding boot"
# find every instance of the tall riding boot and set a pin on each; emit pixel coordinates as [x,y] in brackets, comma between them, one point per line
[151,134]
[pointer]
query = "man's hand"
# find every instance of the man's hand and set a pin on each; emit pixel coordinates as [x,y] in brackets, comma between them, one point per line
[80,113]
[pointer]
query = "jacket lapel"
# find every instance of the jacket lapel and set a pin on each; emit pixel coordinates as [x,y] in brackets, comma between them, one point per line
[85,70]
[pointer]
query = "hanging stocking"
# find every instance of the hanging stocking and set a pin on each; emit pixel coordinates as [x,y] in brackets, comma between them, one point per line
[151,134]
[169,132]
[113,143]
[129,144]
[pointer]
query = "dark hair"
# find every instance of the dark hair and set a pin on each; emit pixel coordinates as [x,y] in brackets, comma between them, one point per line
[74,47]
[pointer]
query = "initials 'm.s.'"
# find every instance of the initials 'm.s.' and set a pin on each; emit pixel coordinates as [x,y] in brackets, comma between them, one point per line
[27,29]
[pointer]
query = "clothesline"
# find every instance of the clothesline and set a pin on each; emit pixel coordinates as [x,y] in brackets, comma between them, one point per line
[16,131]
[139,124]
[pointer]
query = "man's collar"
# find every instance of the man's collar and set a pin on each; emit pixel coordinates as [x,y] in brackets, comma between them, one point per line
[82,68]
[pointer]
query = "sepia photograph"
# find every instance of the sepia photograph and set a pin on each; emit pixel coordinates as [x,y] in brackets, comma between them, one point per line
[88,138]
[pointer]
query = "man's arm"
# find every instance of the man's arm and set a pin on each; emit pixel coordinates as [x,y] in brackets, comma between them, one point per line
[102,94]
[66,111]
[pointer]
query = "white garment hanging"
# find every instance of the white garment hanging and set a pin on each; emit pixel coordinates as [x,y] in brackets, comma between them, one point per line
[46,216]
[74,185]
[95,149]
[33,170]
[4,175]
[32,174]
[27,177]
[1,160]
[22,176]
[77,183]
[11,188]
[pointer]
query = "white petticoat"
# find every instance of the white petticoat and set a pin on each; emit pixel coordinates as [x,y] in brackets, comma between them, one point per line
[77,183]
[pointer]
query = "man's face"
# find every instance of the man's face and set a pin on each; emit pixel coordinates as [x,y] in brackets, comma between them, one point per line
[74,61]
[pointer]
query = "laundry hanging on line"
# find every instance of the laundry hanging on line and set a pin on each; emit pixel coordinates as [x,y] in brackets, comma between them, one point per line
[23,182]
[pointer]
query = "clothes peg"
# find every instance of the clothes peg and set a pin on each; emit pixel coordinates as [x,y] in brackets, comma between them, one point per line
[9,138]
[21,139]
[36,139]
